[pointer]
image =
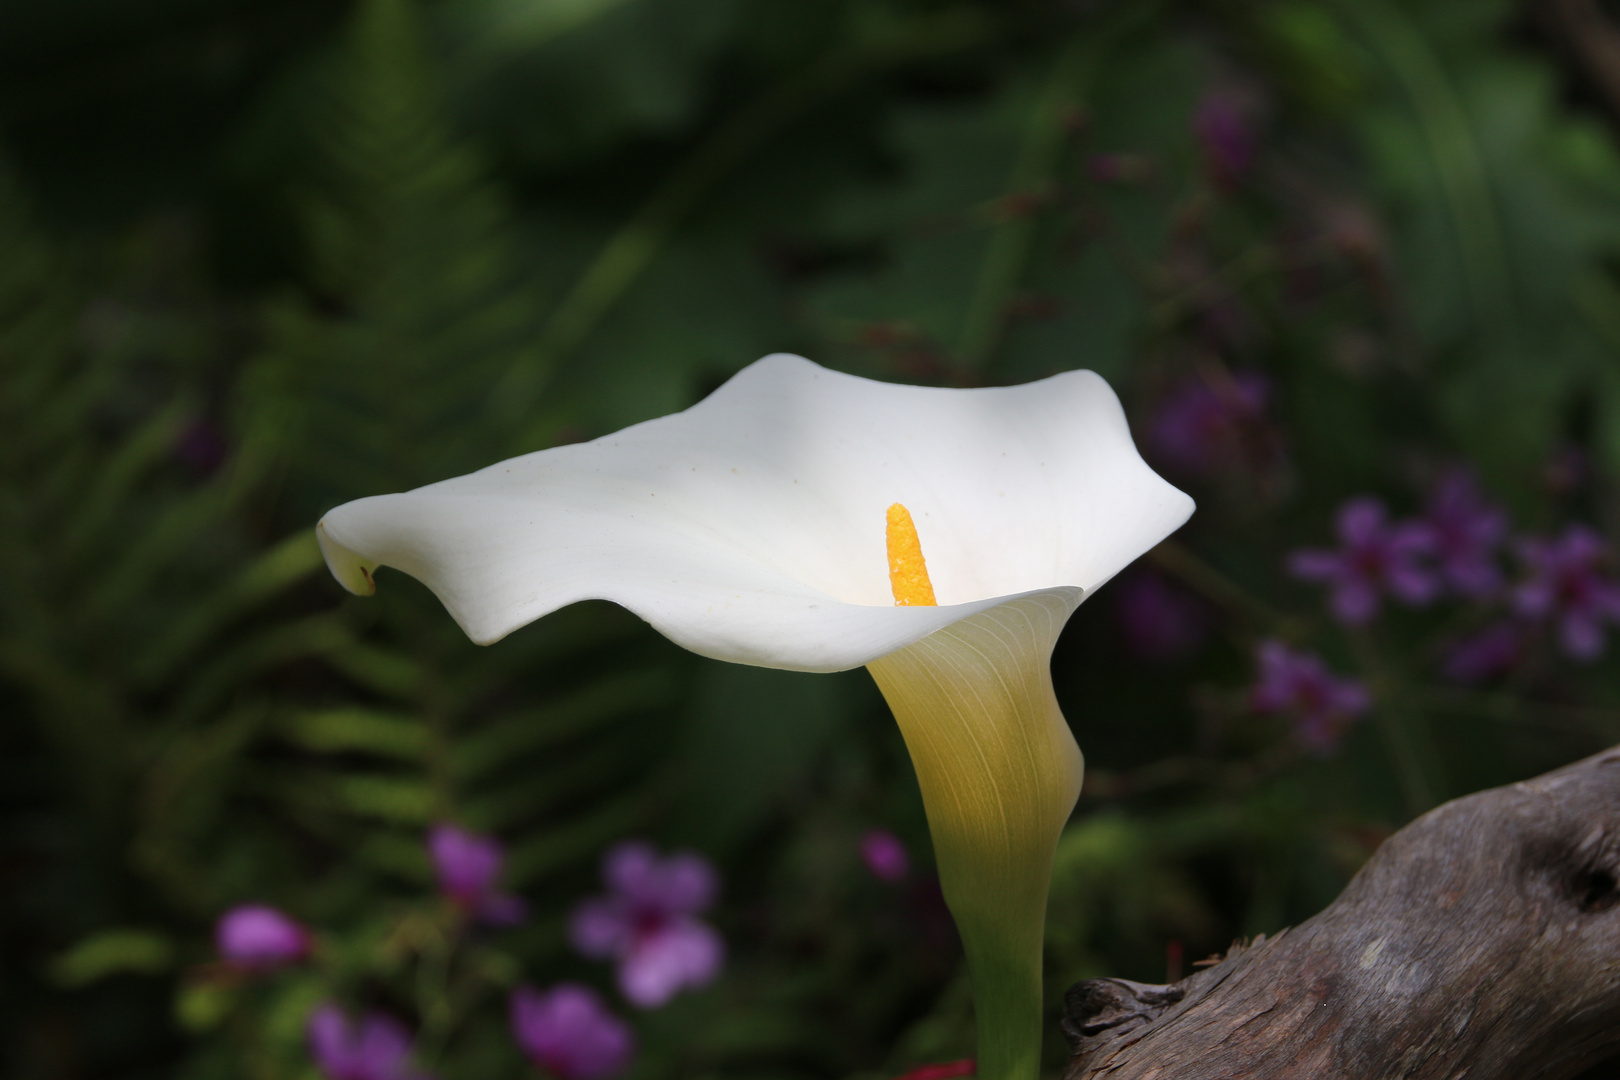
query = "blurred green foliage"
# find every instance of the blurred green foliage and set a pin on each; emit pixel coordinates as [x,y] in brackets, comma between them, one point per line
[256,260]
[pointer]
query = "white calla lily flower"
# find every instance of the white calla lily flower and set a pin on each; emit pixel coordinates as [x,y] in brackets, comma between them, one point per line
[752,528]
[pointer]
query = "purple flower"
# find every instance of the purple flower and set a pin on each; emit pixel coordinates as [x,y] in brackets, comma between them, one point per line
[468,866]
[1202,422]
[258,937]
[1300,686]
[884,855]
[1566,584]
[1465,532]
[569,1033]
[1224,127]
[1159,621]
[646,922]
[1486,655]
[1377,557]
[378,1049]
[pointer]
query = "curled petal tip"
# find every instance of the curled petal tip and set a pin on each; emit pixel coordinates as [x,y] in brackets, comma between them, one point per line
[352,571]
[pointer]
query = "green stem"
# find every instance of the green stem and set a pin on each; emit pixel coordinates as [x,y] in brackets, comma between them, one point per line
[1408,743]
[1180,561]
[433,992]
[1240,270]
[1007,1006]
[1398,739]
[1579,719]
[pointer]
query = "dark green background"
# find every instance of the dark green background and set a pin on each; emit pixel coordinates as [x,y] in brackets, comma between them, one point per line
[260,258]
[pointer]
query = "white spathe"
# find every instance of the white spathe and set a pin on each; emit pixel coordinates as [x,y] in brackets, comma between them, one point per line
[750,527]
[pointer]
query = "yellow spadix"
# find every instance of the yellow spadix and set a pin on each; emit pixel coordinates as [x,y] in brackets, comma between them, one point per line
[908,570]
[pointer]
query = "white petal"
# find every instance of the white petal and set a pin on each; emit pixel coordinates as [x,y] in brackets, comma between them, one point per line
[750,527]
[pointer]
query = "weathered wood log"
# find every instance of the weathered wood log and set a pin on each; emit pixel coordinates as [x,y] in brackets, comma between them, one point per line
[1482,940]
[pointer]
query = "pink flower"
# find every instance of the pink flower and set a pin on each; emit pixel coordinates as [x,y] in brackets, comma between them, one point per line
[257,937]
[1466,533]
[1299,685]
[884,855]
[1376,557]
[646,922]
[1567,585]
[569,1033]
[468,866]
[379,1048]
[1490,653]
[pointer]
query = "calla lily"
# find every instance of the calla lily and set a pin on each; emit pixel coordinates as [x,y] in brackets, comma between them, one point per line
[752,528]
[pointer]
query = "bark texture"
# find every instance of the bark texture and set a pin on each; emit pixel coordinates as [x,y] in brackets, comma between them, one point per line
[1481,941]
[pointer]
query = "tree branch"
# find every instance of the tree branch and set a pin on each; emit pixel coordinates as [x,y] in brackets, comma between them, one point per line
[1482,940]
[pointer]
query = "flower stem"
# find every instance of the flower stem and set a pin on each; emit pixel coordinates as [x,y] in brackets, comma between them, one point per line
[1404,734]
[1006,973]
[999,772]
[1179,560]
